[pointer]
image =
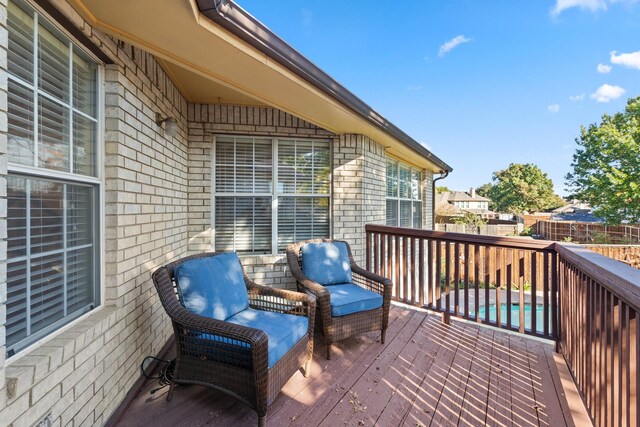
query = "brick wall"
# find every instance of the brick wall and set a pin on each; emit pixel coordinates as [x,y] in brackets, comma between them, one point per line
[427,200]
[359,190]
[82,373]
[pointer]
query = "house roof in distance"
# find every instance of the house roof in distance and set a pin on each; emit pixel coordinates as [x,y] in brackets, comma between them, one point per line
[461,196]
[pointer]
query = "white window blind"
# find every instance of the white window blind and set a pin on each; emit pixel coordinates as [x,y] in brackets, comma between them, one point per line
[404,195]
[52,223]
[50,268]
[269,193]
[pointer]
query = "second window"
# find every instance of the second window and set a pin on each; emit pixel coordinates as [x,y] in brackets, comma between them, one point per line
[268,193]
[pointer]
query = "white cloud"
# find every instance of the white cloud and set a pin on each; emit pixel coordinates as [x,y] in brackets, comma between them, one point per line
[631,60]
[591,5]
[606,93]
[448,46]
[603,69]
[553,108]
[576,98]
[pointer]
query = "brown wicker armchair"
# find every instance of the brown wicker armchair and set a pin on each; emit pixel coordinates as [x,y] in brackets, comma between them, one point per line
[336,328]
[230,357]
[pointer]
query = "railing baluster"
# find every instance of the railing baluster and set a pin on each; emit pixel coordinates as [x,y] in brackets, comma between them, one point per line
[555,326]
[456,279]
[488,252]
[398,268]
[431,294]
[466,281]
[509,279]
[421,281]
[438,275]
[534,292]
[499,275]
[414,273]
[476,282]
[521,282]
[405,269]
[447,290]
[545,297]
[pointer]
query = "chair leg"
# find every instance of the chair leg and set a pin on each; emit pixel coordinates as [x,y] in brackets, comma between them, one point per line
[384,333]
[170,394]
[262,420]
[328,351]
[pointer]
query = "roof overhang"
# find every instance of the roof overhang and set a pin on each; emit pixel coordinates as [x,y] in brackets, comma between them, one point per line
[218,53]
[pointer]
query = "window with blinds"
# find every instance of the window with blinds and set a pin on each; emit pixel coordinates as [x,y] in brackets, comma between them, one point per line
[404,195]
[269,193]
[52,185]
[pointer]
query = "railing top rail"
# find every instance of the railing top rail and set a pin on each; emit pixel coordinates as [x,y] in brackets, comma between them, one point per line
[620,279]
[503,242]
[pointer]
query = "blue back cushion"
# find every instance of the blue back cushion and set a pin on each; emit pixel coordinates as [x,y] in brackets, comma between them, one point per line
[326,263]
[213,286]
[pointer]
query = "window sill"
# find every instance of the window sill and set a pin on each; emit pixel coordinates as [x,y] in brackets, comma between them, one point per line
[263,259]
[29,367]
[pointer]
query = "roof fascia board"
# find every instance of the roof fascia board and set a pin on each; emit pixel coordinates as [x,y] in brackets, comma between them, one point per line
[237,21]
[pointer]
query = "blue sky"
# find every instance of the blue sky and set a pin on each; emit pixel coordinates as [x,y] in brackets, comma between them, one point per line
[481,83]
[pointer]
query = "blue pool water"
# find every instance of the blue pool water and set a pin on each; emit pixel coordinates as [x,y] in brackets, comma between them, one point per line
[515,315]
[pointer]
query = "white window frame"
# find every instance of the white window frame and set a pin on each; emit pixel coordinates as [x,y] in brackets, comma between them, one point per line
[35,172]
[274,193]
[399,164]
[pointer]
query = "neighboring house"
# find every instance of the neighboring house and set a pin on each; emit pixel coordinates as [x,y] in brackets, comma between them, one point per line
[574,206]
[575,211]
[463,202]
[137,132]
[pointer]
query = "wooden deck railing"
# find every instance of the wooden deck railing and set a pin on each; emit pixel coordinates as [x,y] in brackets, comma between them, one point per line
[599,303]
[587,303]
[500,281]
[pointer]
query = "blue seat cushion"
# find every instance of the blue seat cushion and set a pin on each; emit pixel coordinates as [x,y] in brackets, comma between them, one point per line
[347,298]
[283,330]
[326,263]
[213,286]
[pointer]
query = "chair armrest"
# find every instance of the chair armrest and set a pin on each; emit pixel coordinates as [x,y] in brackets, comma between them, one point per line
[371,276]
[281,300]
[206,325]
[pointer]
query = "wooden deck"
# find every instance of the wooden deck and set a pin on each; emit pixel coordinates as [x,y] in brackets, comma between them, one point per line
[427,374]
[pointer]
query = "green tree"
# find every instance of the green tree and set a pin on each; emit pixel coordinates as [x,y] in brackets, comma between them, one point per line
[606,165]
[442,189]
[485,191]
[523,188]
[470,218]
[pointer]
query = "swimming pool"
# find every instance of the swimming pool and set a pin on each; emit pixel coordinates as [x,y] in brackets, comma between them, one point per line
[515,314]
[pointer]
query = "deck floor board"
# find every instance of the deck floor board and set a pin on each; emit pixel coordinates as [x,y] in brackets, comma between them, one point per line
[426,374]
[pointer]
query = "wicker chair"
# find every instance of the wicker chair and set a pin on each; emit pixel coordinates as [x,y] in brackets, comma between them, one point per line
[230,357]
[336,328]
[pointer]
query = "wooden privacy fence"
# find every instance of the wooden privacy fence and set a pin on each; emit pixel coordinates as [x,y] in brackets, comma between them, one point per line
[589,232]
[486,230]
[629,254]
[587,303]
